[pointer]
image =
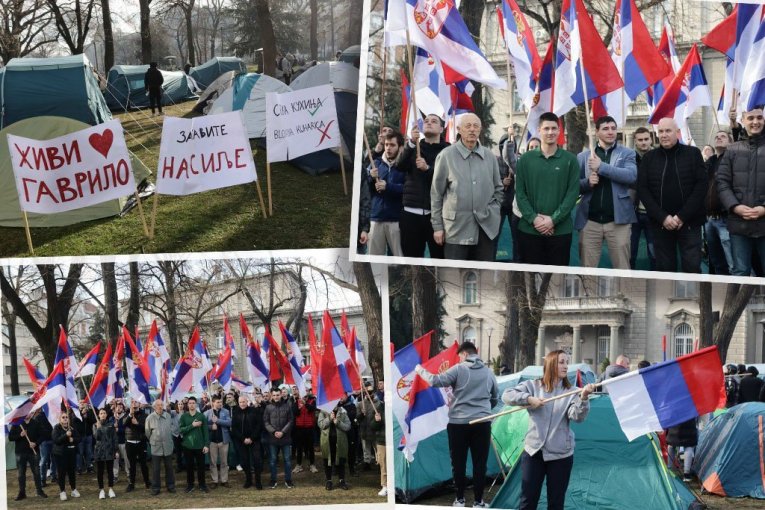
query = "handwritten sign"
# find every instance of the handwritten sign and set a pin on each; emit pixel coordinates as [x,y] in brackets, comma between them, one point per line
[204,153]
[77,170]
[301,122]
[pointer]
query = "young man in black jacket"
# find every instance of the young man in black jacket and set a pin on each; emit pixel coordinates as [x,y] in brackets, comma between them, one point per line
[672,185]
[27,437]
[246,428]
[153,81]
[135,443]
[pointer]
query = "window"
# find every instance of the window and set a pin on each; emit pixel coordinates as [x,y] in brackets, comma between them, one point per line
[572,286]
[470,286]
[606,286]
[686,289]
[220,341]
[6,350]
[604,339]
[468,335]
[683,339]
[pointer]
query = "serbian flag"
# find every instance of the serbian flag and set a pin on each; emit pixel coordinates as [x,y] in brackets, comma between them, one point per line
[348,373]
[256,369]
[116,381]
[328,384]
[408,115]
[229,338]
[88,363]
[669,54]
[191,370]
[35,376]
[723,36]
[138,371]
[156,356]
[543,95]
[438,28]
[278,359]
[206,361]
[224,371]
[357,352]
[69,363]
[294,359]
[668,393]
[577,31]
[675,104]
[138,343]
[519,41]
[433,93]
[99,388]
[428,412]
[748,22]
[53,391]
[726,96]
[241,385]
[753,82]
[315,353]
[403,364]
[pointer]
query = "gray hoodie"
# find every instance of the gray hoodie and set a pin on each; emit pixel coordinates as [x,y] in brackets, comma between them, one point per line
[474,389]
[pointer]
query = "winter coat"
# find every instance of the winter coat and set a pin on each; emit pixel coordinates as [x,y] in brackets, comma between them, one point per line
[417,182]
[340,428]
[278,417]
[378,427]
[224,424]
[159,431]
[34,434]
[684,434]
[386,205]
[105,442]
[366,417]
[741,180]
[61,443]
[135,431]
[153,79]
[246,424]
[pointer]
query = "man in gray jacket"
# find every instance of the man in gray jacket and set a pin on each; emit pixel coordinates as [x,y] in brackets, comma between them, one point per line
[475,393]
[465,196]
[159,426]
[278,420]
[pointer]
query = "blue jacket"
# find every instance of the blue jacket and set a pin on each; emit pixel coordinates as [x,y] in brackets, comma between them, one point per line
[623,173]
[386,206]
[224,423]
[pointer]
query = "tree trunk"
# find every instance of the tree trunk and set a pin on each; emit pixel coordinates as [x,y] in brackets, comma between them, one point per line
[509,346]
[424,304]
[168,271]
[267,37]
[134,301]
[108,36]
[314,24]
[188,11]
[355,14]
[706,320]
[10,323]
[371,305]
[332,27]
[737,296]
[531,308]
[111,301]
[145,15]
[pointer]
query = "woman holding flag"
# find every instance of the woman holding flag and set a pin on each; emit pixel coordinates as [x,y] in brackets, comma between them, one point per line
[104,452]
[549,448]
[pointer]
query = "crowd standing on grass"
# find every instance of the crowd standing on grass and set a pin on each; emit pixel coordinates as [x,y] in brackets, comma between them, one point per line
[222,431]
[422,196]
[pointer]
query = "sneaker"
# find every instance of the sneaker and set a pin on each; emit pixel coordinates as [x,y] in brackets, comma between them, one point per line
[75,493]
[20,497]
[328,486]
[383,492]
[459,502]
[273,485]
[289,485]
[41,494]
[189,489]
[480,504]
[204,489]
[297,469]
[130,488]
[313,468]
[239,467]
[343,485]
[687,477]
[62,495]
[101,494]
[111,493]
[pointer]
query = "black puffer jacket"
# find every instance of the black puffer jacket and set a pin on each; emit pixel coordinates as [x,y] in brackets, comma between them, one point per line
[417,183]
[684,434]
[741,180]
[673,182]
[278,417]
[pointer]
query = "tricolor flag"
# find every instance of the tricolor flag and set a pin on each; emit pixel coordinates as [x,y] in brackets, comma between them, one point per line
[433,93]
[403,364]
[428,412]
[54,391]
[675,104]
[723,36]
[99,388]
[88,363]
[748,22]
[241,385]
[65,356]
[669,54]
[357,351]
[519,41]
[116,381]
[329,384]
[278,359]
[348,373]
[294,359]
[726,96]
[438,28]
[315,353]
[408,115]
[542,101]
[224,373]
[753,82]
[667,394]
[138,343]
[192,369]
[157,357]
[137,370]
[35,376]
[256,369]
[229,338]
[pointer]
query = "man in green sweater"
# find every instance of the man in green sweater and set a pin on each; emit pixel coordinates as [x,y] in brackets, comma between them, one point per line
[547,187]
[193,426]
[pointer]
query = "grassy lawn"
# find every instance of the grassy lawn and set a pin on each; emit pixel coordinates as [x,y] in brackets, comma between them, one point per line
[309,490]
[309,212]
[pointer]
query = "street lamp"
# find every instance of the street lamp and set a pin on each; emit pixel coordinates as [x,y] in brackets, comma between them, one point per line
[489,330]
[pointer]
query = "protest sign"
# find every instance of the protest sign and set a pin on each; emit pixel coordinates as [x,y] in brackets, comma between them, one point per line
[77,170]
[204,153]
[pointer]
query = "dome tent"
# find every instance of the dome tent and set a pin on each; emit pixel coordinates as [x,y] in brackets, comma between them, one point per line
[205,74]
[125,87]
[213,91]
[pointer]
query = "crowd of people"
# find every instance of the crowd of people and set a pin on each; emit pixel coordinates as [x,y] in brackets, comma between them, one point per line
[421,193]
[226,430]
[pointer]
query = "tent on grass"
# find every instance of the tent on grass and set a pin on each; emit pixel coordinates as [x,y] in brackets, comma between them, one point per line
[205,74]
[247,92]
[45,128]
[344,79]
[61,86]
[125,88]
[729,456]
[213,91]
[610,473]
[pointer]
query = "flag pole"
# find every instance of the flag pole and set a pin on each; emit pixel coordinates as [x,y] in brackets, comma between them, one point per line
[412,87]
[586,106]
[382,89]
[29,441]
[154,213]
[268,185]
[28,233]
[342,167]
[143,217]
[260,199]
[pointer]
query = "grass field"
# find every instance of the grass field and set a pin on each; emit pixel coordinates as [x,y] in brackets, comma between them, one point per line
[309,490]
[309,212]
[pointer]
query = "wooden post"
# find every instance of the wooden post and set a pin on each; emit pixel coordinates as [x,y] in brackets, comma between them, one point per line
[268,185]
[342,168]
[382,94]
[412,87]
[154,213]
[140,212]
[29,441]
[260,197]
[28,233]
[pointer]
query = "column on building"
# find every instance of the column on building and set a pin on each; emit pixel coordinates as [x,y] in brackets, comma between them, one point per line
[576,355]
[540,345]
[613,345]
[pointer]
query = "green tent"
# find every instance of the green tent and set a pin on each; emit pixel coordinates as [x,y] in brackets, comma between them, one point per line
[45,128]
[125,87]
[61,86]
[609,472]
[205,74]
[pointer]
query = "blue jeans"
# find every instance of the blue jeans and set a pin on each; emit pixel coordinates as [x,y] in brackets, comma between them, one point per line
[273,451]
[46,459]
[641,225]
[718,246]
[741,248]
[85,453]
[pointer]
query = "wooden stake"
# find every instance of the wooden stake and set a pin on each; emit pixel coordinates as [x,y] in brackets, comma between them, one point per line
[154,213]
[382,95]
[342,168]
[140,212]
[268,185]
[29,234]
[260,197]
[412,87]
[544,400]
[29,441]
[586,107]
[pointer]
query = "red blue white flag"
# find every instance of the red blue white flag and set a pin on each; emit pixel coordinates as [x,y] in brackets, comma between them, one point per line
[520,44]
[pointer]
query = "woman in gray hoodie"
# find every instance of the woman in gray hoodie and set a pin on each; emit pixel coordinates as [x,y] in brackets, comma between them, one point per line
[549,448]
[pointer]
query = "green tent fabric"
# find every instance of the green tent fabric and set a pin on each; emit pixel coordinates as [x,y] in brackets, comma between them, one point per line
[508,432]
[45,128]
[207,73]
[609,472]
[60,86]
[125,87]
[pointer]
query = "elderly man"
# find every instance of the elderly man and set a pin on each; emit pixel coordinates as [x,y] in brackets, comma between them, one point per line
[622,366]
[466,195]
[672,184]
[246,428]
[741,184]
[159,432]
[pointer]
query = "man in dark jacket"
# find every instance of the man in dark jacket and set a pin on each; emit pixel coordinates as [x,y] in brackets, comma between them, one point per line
[672,184]
[278,422]
[85,454]
[507,160]
[750,386]
[414,223]
[152,82]
[716,228]
[245,430]
[741,185]
[27,437]
[135,443]
[386,185]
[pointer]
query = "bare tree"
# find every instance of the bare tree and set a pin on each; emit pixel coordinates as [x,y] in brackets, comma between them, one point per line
[23,26]
[737,297]
[111,301]
[314,25]
[72,19]
[371,305]
[215,10]
[509,346]
[10,319]
[144,7]
[106,12]
[424,303]
[531,304]
[267,36]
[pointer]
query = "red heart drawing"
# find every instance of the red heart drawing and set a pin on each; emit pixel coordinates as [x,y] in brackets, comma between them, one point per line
[102,143]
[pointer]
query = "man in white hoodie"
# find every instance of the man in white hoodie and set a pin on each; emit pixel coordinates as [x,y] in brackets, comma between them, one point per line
[475,393]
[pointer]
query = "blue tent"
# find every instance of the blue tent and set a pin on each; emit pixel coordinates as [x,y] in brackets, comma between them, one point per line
[206,73]
[125,88]
[57,86]
[729,456]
